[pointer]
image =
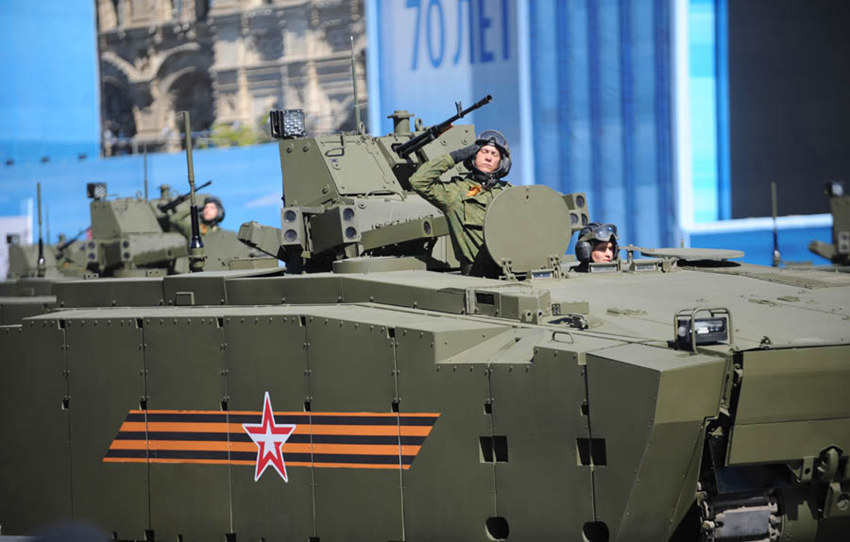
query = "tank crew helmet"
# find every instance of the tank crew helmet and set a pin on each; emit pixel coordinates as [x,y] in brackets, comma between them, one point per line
[215,219]
[495,138]
[593,234]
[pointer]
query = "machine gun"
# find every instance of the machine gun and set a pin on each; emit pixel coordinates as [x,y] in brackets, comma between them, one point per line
[166,207]
[433,132]
[68,242]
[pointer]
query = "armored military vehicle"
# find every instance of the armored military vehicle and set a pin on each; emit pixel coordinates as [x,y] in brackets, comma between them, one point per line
[129,236]
[24,293]
[63,258]
[139,237]
[33,269]
[369,391]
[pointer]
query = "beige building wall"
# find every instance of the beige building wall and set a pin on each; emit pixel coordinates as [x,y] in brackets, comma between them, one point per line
[227,62]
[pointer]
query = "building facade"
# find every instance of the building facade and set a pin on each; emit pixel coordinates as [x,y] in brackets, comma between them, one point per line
[227,62]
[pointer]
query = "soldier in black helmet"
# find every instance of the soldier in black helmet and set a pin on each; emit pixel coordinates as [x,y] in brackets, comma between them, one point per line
[597,243]
[464,198]
[210,213]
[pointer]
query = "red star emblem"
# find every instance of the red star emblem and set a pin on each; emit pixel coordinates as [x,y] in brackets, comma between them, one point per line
[269,438]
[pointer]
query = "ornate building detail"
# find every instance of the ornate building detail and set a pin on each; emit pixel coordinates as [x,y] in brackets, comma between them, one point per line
[226,61]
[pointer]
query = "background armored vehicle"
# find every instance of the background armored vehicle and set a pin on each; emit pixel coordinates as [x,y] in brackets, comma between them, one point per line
[133,236]
[375,394]
[140,237]
[128,237]
[63,258]
[33,269]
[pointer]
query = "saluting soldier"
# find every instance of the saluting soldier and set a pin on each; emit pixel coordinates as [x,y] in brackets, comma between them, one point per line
[464,198]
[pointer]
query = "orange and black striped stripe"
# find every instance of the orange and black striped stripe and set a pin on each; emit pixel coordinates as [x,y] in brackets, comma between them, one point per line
[326,439]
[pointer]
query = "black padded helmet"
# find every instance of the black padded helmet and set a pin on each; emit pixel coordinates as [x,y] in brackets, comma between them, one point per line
[219,217]
[498,140]
[591,235]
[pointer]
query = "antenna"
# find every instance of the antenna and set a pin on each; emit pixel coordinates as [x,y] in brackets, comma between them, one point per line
[196,245]
[773,204]
[354,83]
[146,171]
[40,266]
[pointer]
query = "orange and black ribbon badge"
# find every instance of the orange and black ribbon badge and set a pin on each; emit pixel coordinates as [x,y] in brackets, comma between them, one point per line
[364,440]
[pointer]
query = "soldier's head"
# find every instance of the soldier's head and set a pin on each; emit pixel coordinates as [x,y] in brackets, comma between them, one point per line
[212,211]
[597,243]
[493,158]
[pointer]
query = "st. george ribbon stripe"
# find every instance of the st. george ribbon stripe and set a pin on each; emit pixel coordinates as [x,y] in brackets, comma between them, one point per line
[296,438]
[336,439]
[251,457]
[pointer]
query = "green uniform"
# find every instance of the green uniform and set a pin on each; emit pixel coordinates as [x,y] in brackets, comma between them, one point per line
[462,199]
[181,222]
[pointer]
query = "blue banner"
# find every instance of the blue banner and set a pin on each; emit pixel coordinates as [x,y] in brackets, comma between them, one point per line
[433,53]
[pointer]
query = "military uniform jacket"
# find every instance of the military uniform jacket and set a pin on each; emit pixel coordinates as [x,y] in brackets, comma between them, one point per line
[462,199]
[181,222]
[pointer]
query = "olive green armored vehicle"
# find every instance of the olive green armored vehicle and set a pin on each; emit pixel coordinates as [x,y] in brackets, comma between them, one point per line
[128,237]
[131,236]
[61,259]
[32,271]
[370,391]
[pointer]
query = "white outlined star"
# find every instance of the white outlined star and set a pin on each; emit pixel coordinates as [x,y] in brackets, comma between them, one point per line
[269,438]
